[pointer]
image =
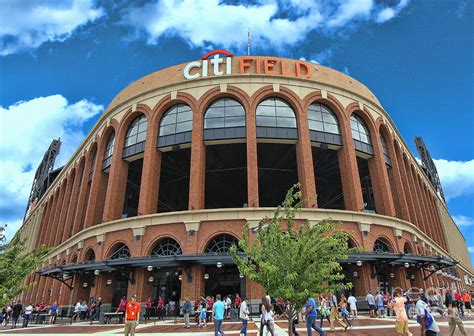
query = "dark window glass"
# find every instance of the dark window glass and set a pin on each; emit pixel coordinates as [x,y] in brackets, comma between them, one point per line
[166,247]
[136,133]
[359,130]
[221,244]
[322,119]
[177,119]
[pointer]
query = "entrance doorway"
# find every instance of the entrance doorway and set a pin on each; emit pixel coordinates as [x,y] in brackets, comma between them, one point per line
[225,281]
[120,290]
[166,284]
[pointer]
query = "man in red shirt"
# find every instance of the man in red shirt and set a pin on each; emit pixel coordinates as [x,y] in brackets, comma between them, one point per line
[147,309]
[238,300]
[132,314]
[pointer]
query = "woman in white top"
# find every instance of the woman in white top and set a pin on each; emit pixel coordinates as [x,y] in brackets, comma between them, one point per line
[352,305]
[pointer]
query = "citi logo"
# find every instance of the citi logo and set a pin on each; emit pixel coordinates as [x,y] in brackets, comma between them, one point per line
[198,69]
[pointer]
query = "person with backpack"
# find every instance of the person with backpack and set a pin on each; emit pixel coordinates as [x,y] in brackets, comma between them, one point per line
[425,319]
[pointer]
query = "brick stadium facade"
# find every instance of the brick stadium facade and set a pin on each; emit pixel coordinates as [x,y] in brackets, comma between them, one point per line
[181,158]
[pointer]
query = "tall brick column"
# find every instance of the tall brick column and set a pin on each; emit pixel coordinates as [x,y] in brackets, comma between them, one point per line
[419,205]
[381,187]
[304,157]
[92,201]
[65,209]
[73,202]
[413,196]
[198,163]
[350,179]
[252,162]
[56,236]
[82,199]
[50,223]
[398,183]
[44,221]
[149,187]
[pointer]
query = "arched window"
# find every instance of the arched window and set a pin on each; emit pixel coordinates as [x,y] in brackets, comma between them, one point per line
[90,255]
[407,248]
[135,137]
[121,252]
[381,246]
[166,247]
[386,156]
[224,119]
[361,135]
[323,125]
[221,244]
[176,126]
[276,119]
[109,150]
[91,168]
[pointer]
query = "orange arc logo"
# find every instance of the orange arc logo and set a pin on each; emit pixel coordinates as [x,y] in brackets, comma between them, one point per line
[218,51]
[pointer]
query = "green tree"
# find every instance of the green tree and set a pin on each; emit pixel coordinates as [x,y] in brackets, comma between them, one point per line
[293,261]
[15,265]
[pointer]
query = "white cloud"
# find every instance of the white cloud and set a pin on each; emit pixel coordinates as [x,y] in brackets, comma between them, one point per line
[470,249]
[389,13]
[457,177]
[28,24]
[26,131]
[463,221]
[212,22]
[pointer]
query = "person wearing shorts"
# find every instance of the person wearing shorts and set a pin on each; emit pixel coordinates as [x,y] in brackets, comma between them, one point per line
[371,302]
[401,318]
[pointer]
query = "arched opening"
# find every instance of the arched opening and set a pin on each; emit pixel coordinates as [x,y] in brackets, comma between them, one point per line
[384,271]
[277,134]
[75,196]
[90,175]
[174,142]
[89,256]
[226,155]
[407,249]
[325,141]
[391,177]
[222,278]
[133,150]
[166,283]
[364,151]
[120,251]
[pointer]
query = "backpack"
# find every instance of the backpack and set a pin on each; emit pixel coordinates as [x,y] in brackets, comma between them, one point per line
[428,319]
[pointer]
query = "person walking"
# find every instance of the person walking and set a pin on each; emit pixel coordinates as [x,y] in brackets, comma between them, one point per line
[345,314]
[202,315]
[148,309]
[265,320]
[132,314]
[466,297]
[218,315]
[371,303]
[379,298]
[83,310]
[53,312]
[122,307]
[333,316]
[227,306]
[425,319]
[17,308]
[27,314]
[310,315]
[397,304]
[237,301]
[323,311]
[76,311]
[95,314]
[161,308]
[352,305]
[187,308]
[455,320]
[244,313]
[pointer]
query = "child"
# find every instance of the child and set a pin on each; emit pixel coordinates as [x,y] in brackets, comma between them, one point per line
[202,315]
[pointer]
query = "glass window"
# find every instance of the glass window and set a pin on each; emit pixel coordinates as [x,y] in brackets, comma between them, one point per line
[274,112]
[122,252]
[224,113]
[221,244]
[136,132]
[384,145]
[166,247]
[321,118]
[381,246]
[177,119]
[109,148]
[359,130]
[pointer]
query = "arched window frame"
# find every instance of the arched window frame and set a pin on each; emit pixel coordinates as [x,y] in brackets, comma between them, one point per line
[135,137]
[221,244]
[91,168]
[176,126]
[276,119]
[109,151]
[361,135]
[382,246]
[166,247]
[224,119]
[121,252]
[323,125]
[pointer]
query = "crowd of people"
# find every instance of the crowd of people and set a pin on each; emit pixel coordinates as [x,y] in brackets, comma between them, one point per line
[29,312]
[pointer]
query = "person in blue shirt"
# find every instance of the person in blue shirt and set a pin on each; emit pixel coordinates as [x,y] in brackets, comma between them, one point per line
[311,314]
[218,315]
[53,311]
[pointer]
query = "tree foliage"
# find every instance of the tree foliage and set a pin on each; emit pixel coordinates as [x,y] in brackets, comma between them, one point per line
[292,260]
[15,265]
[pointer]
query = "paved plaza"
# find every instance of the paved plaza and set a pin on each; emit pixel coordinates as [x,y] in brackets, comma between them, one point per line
[364,326]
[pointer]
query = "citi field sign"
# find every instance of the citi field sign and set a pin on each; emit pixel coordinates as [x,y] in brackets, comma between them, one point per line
[219,63]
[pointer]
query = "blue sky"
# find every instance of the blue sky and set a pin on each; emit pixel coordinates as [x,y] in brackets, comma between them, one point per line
[61,63]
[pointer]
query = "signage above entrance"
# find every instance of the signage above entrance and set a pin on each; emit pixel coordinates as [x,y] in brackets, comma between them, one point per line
[220,66]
